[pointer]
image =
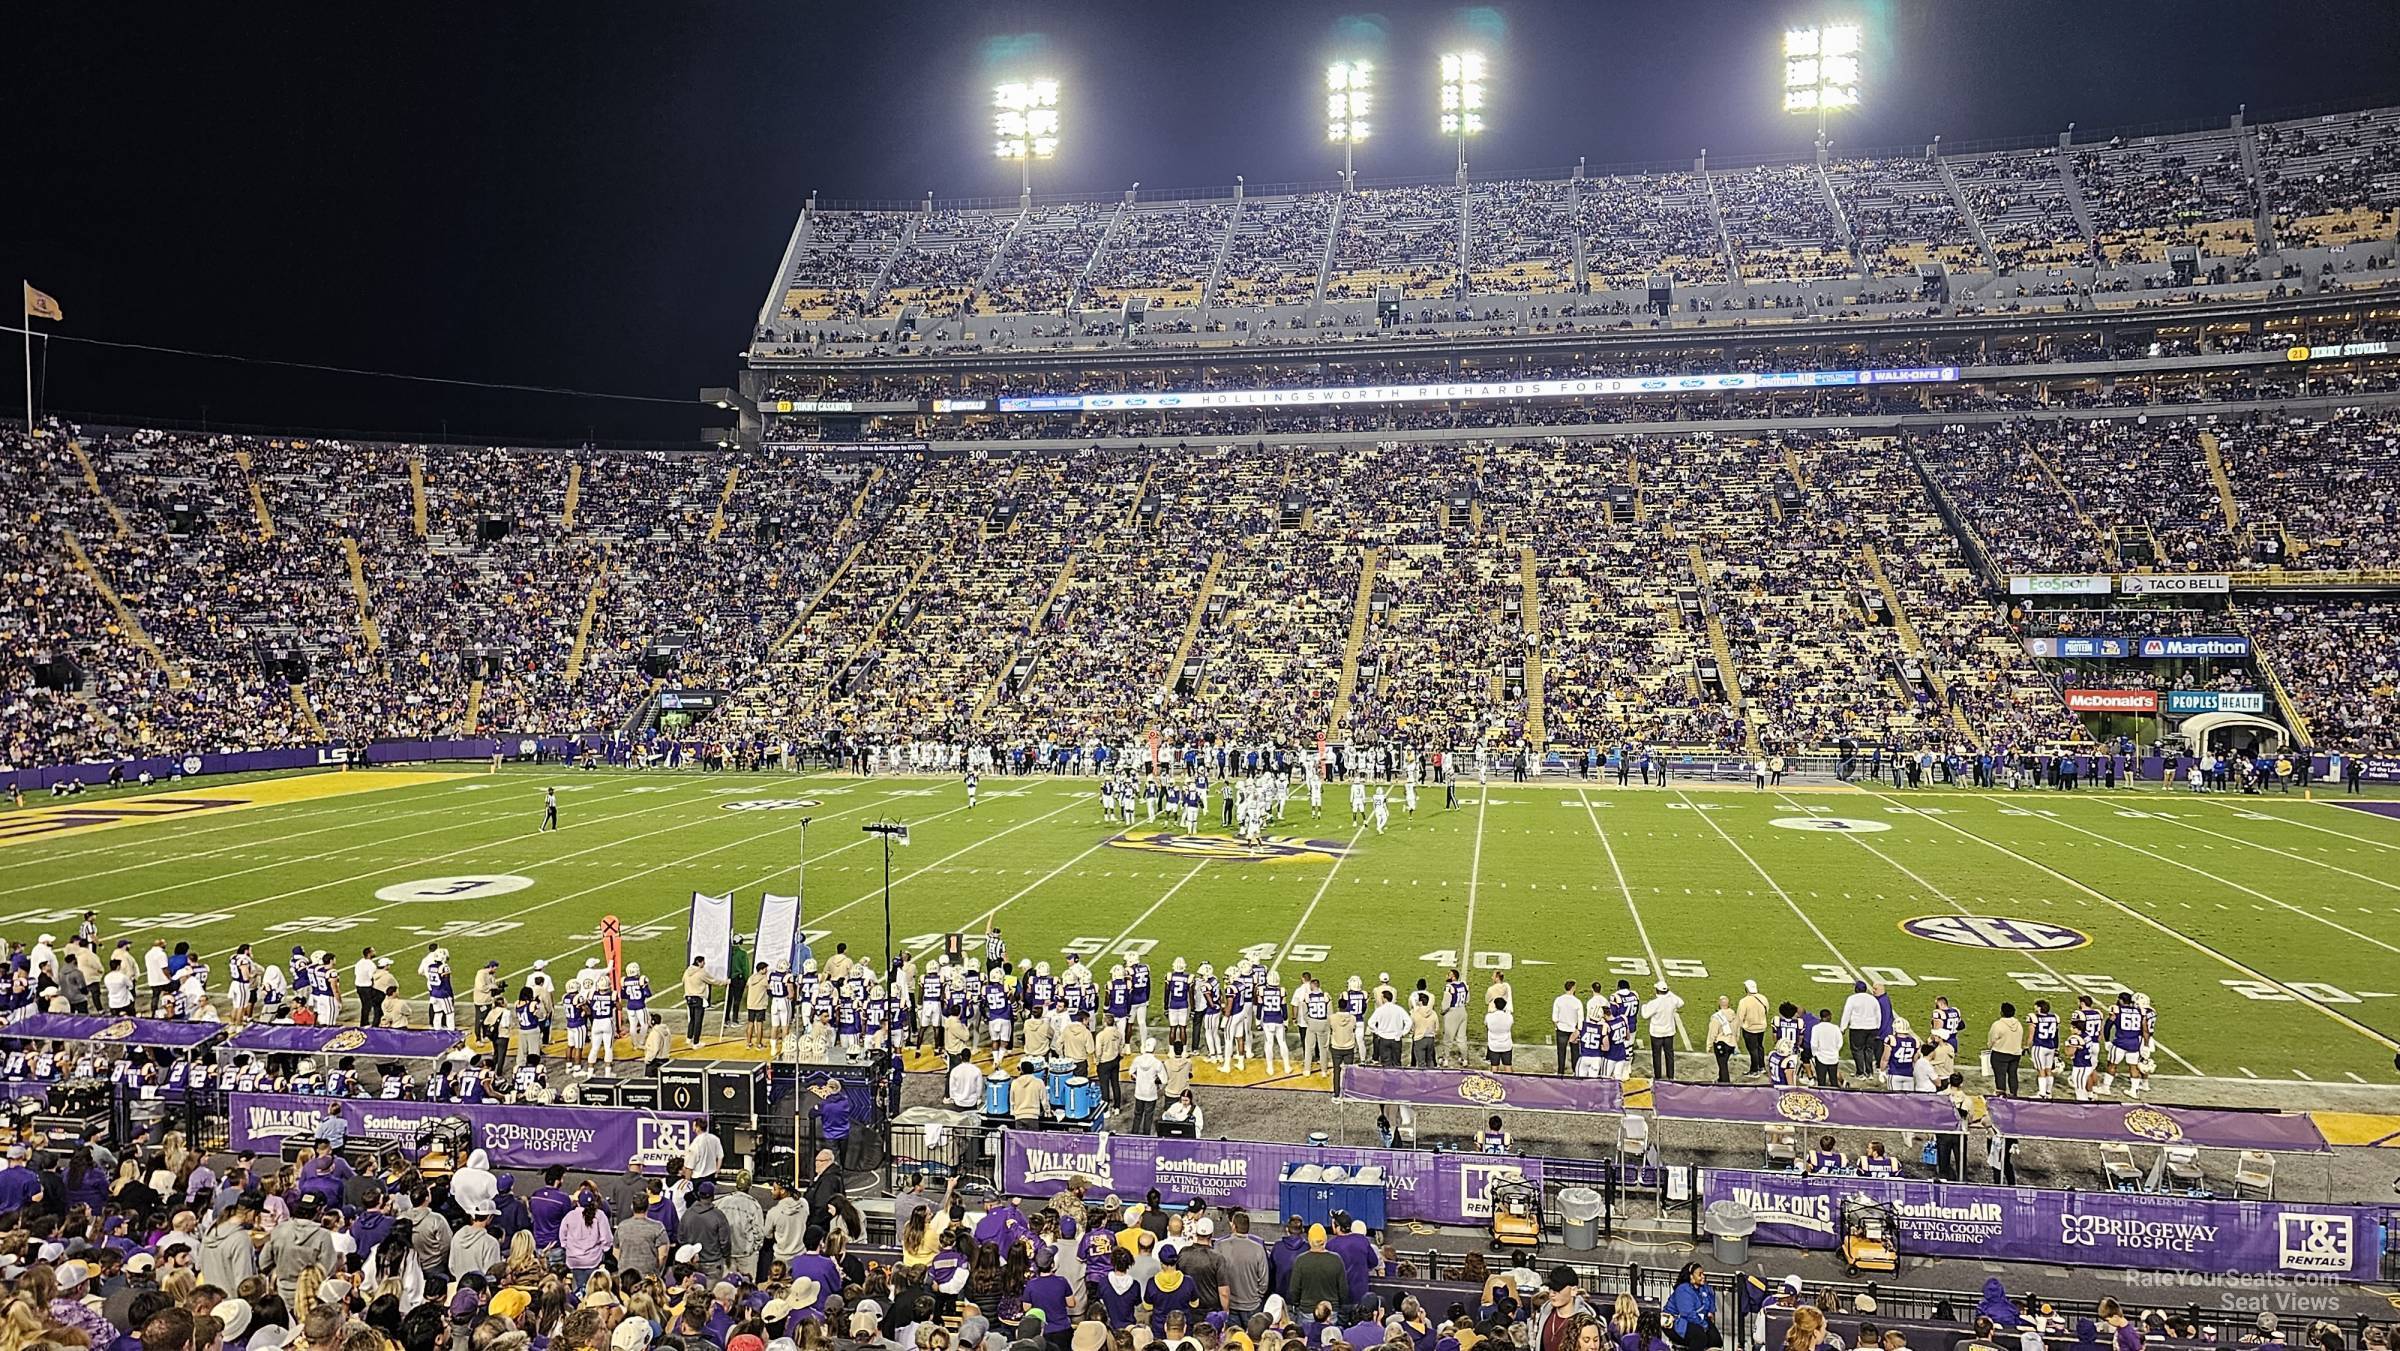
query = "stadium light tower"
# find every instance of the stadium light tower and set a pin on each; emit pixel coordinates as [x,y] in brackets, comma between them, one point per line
[1462,101]
[1349,98]
[1025,120]
[1820,71]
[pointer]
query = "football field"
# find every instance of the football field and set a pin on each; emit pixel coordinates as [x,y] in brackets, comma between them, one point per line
[2265,930]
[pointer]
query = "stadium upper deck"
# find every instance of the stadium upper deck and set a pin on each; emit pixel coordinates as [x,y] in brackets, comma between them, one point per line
[2226,208]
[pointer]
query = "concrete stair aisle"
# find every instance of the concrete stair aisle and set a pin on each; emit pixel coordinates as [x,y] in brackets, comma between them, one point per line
[1357,641]
[177,677]
[306,711]
[1536,729]
[474,709]
[91,480]
[791,631]
[116,730]
[1910,641]
[566,512]
[1720,645]
[583,629]
[2217,474]
[416,493]
[992,687]
[716,523]
[2092,527]
[258,500]
[368,629]
[2292,717]
[873,634]
[1191,622]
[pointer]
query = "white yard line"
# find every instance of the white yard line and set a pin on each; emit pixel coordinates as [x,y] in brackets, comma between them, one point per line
[277,841]
[877,890]
[1683,1034]
[2294,820]
[1466,945]
[413,864]
[2250,891]
[2286,853]
[1311,909]
[2178,935]
[1769,879]
[2035,958]
[1144,917]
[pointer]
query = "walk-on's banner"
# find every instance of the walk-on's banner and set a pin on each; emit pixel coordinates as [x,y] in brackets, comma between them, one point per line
[712,932]
[778,931]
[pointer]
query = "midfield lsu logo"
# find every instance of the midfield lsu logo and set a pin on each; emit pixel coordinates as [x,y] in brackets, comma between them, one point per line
[1226,849]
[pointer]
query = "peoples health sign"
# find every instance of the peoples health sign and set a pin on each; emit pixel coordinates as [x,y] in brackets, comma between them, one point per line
[2131,1230]
[2216,701]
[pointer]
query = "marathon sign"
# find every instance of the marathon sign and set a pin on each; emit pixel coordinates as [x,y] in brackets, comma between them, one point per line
[2216,701]
[593,1139]
[1147,401]
[2059,584]
[2175,584]
[2113,701]
[2133,1231]
[2061,649]
[2169,649]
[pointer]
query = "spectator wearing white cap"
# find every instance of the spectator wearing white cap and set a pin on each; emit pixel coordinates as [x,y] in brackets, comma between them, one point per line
[1663,1010]
[1149,1079]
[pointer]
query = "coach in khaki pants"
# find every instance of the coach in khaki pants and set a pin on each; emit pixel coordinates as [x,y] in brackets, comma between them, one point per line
[2007,1046]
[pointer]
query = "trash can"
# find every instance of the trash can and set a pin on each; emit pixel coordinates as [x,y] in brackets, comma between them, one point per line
[1730,1225]
[1579,1210]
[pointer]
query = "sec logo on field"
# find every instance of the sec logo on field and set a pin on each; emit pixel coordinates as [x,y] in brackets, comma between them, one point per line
[771,804]
[472,887]
[1995,933]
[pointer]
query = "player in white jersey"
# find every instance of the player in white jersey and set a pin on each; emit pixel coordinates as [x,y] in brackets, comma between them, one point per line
[973,782]
[1383,809]
[242,982]
[1408,793]
[1282,786]
[603,998]
[1108,801]
[1358,802]
[1316,794]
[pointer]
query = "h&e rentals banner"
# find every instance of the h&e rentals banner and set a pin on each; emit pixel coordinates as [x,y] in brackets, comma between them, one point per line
[2132,1230]
[600,1139]
[1421,1185]
[712,933]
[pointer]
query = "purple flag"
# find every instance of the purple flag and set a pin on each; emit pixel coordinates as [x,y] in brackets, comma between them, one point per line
[2142,1123]
[1804,1107]
[160,1032]
[375,1043]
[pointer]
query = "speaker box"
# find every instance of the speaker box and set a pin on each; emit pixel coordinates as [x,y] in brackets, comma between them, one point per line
[736,1088]
[638,1093]
[598,1091]
[683,1086]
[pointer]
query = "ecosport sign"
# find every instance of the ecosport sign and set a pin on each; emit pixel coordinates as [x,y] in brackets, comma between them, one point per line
[2059,584]
[2216,701]
[1570,388]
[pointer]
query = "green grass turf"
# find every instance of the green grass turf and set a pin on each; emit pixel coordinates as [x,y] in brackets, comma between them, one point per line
[2266,931]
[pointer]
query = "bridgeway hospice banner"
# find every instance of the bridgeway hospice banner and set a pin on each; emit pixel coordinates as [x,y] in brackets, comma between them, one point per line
[2133,1230]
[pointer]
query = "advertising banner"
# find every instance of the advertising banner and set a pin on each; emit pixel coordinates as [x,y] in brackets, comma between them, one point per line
[2158,649]
[2059,584]
[596,1139]
[2216,701]
[2113,701]
[2060,649]
[1475,1088]
[1573,387]
[2130,1230]
[711,933]
[2174,584]
[1441,1188]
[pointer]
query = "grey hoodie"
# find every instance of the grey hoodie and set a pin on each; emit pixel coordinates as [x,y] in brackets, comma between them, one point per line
[294,1247]
[227,1254]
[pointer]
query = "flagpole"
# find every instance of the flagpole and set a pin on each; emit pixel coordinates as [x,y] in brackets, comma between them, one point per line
[25,299]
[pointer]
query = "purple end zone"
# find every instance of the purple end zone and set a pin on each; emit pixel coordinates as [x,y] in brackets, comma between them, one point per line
[2390,809]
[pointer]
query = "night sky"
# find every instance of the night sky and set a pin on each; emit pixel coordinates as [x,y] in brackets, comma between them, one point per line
[596,195]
